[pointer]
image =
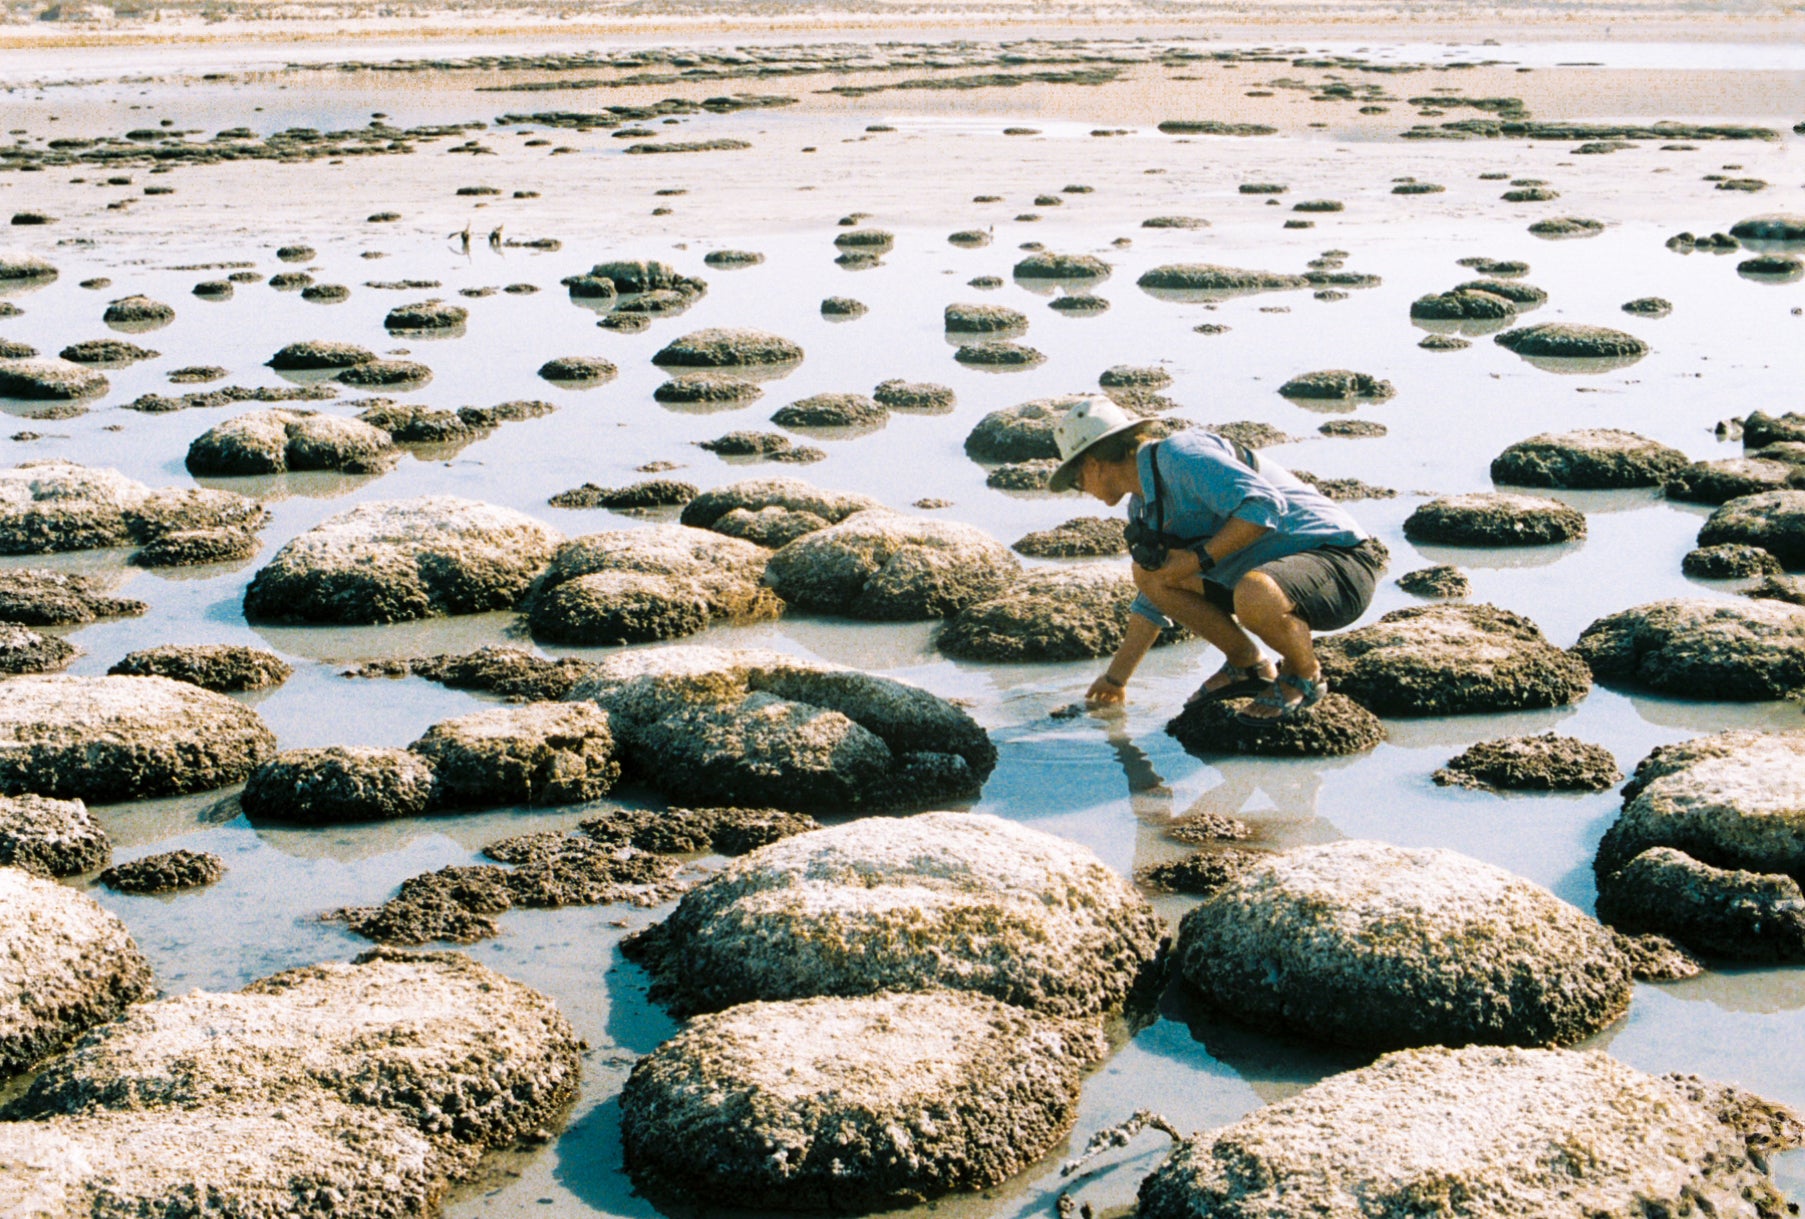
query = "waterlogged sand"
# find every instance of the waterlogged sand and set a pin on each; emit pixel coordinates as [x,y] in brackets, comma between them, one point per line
[1110,782]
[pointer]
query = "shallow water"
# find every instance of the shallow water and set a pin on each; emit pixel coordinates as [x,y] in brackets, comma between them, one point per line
[1108,780]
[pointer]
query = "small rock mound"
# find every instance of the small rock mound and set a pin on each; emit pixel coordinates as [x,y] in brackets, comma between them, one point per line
[1080,537]
[274,442]
[1335,727]
[1719,482]
[1772,520]
[1018,433]
[940,901]
[757,729]
[137,313]
[585,370]
[831,411]
[1569,340]
[772,511]
[726,348]
[66,965]
[1464,304]
[923,396]
[1337,384]
[984,319]
[40,597]
[168,872]
[1441,582]
[641,585]
[1044,264]
[1491,518]
[999,354]
[192,547]
[707,389]
[51,837]
[317,354]
[391,561]
[1451,660]
[1214,282]
[878,1101]
[57,505]
[886,567]
[1047,615]
[1592,458]
[1701,648]
[534,753]
[385,374]
[1729,561]
[338,783]
[105,739]
[50,381]
[1376,946]
[1532,763]
[212,666]
[1375,1139]
[111,353]
[23,650]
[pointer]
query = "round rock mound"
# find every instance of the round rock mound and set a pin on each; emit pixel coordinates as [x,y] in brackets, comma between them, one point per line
[1772,520]
[1451,660]
[273,442]
[1592,458]
[1376,946]
[1532,763]
[1375,1142]
[51,837]
[224,667]
[1572,341]
[1700,647]
[1337,384]
[882,566]
[772,511]
[538,753]
[1334,727]
[105,739]
[1495,518]
[725,348]
[877,1101]
[58,505]
[1058,614]
[65,966]
[336,783]
[941,901]
[390,561]
[757,729]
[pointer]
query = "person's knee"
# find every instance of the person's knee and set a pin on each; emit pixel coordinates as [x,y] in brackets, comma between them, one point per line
[1259,601]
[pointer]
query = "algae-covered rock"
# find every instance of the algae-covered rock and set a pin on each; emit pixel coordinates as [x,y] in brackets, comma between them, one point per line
[58,505]
[105,739]
[338,783]
[1451,660]
[878,1101]
[1725,912]
[1591,458]
[727,348]
[1772,520]
[940,901]
[1718,482]
[1441,581]
[772,511]
[886,567]
[1495,518]
[1558,1134]
[23,650]
[1337,384]
[1571,340]
[66,965]
[273,442]
[1080,537]
[50,380]
[984,319]
[1701,648]
[224,667]
[313,354]
[1211,281]
[1049,614]
[707,390]
[1532,763]
[758,729]
[426,316]
[1044,264]
[165,872]
[831,411]
[390,561]
[1335,727]
[51,837]
[925,397]
[41,597]
[1377,946]
[639,585]
[193,547]
[1729,561]
[534,753]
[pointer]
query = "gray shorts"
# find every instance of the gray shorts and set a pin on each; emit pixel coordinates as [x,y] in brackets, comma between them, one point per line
[1329,586]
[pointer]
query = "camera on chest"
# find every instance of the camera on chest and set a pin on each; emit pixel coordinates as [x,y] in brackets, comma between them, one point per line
[1147,547]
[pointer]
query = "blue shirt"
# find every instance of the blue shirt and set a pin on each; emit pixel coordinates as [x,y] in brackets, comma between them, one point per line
[1203,484]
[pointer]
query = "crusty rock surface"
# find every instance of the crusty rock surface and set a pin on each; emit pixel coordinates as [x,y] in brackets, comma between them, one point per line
[38,596]
[1724,912]
[829,411]
[65,966]
[876,1101]
[50,380]
[1560,1134]
[165,872]
[1440,581]
[1495,518]
[395,1070]
[640,585]
[1451,660]
[393,560]
[1588,458]
[1729,561]
[1049,614]
[105,739]
[533,753]
[940,901]
[213,666]
[1718,482]
[58,505]
[23,650]
[1334,727]
[1532,763]
[273,442]
[51,837]
[1773,520]
[682,831]
[193,547]
[514,673]
[1338,384]
[772,511]
[1080,537]
[727,348]
[884,566]
[759,729]
[1018,433]
[1377,946]
[1701,647]
[1570,340]
[925,397]
[336,783]
[315,354]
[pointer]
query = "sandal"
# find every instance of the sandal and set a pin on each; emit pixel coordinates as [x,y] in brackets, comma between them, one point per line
[1242,680]
[1283,709]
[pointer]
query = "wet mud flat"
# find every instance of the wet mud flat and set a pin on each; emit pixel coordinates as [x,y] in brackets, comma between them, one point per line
[559,321]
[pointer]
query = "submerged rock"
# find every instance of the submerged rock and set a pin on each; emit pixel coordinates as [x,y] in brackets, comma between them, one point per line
[390,561]
[338,783]
[1376,946]
[212,666]
[885,567]
[272,442]
[640,585]
[1374,1141]
[51,837]
[40,597]
[940,901]
[1532,763]
[1772,520]
[1495,518]
[66,965]
[106,739]
[165,873]
[1701,648]
[680,831]
[1048,615]
[1334,727]
[878,1101]
[1587,459]
[1451,660]
[757,729]
[536,753]
[58,505]
[192,547]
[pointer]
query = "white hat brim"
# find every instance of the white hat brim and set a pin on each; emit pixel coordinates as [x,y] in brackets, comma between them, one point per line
[1067,473]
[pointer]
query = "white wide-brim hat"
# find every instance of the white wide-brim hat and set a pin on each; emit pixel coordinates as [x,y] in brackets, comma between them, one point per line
[1087,421]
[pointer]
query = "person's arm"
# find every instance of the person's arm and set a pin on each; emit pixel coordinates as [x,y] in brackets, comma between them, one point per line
[1112,685]
[1237,533]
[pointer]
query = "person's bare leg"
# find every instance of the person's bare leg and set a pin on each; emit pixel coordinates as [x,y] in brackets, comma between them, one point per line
[1262,607]
[1192,610]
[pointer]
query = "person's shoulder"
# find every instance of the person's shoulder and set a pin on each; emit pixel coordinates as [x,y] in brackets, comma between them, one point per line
[1195,443]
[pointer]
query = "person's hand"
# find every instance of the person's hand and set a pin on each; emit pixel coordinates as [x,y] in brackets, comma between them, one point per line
[1105,692]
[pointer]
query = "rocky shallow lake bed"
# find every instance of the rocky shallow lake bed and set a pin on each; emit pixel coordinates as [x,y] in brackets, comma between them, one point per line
[540,670]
